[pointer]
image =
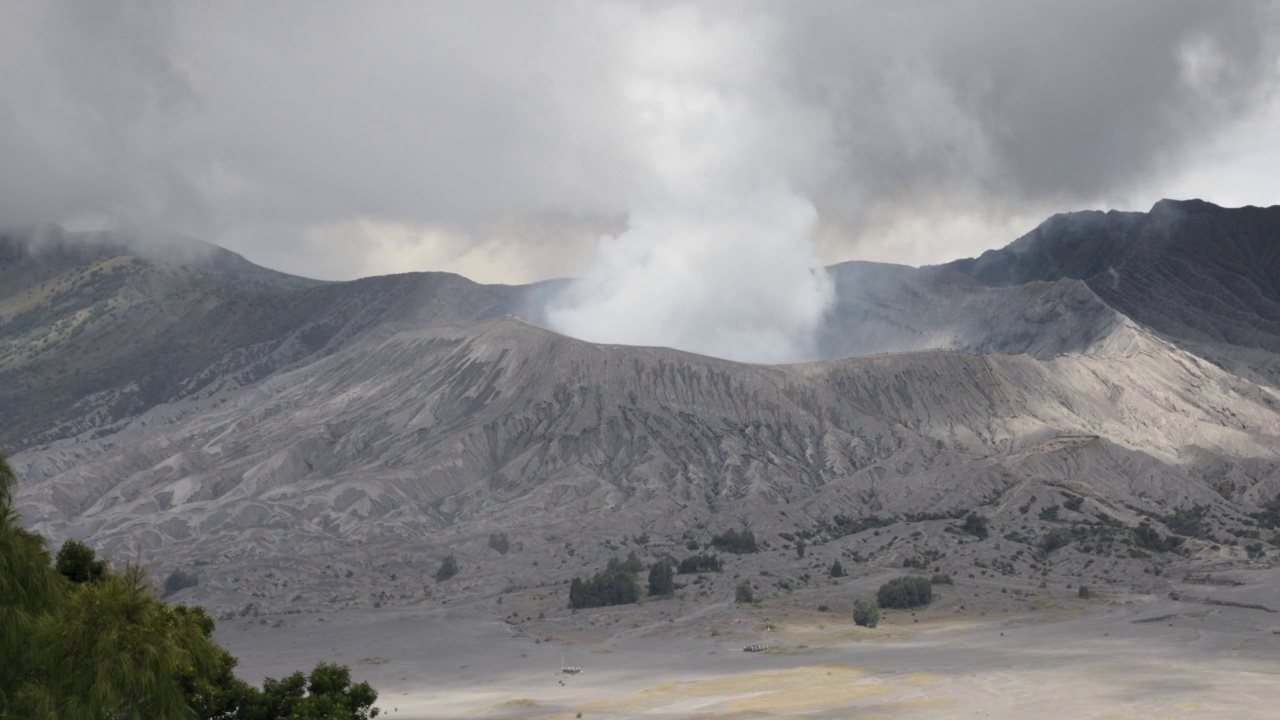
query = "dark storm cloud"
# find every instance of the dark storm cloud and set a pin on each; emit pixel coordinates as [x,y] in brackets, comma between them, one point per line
[1058,102]
[281,128]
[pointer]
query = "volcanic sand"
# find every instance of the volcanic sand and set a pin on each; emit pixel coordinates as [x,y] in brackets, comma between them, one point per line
[1120,657]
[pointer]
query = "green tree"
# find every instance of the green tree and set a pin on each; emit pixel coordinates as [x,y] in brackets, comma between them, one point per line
[107,649]
[613,586]
[800,548]
[743,593]
[28,588]
[661,579]
[78,563]
[837,570]
[866,612]
[632,564]
[326,694]
[111,651]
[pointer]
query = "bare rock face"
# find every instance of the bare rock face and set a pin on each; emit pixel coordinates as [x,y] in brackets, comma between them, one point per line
[314,440]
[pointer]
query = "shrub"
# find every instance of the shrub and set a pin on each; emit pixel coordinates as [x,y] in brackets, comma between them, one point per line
[661,581]
[837,570]
[737,542]
[743,593]
[632,564]
[448,568]
[905,592]
[941,579]
[843,525]
[975,525]
[1083,593]
[179,580]
[1073,503]
[866,612]
[1054,540]
[1147,537]
[699,563]
[499,542]
[1049,513]
[800,548]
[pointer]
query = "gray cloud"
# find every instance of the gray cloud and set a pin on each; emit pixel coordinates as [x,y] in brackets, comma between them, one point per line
[279,128]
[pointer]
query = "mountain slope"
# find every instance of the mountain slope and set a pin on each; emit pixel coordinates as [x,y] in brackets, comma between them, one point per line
[1204,276]
[94,331]
[1104,371]
[412,436]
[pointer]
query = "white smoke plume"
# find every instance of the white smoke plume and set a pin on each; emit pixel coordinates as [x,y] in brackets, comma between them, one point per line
[717,257]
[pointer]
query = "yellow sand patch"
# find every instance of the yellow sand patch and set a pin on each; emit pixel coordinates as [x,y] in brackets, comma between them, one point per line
[518,702]
[919,678]
[832,695]
[781,690]
[923,702]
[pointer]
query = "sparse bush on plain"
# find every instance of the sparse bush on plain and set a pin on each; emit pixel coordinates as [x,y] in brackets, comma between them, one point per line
[448,568]
[631,565]
[661,579]
[866,612]
[179,580]
[699,563]
[907,591]
[738,542]
[614,586]
[975,525]
[1057,539]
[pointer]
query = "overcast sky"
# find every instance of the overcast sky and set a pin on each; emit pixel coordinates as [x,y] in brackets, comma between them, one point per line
[501,140]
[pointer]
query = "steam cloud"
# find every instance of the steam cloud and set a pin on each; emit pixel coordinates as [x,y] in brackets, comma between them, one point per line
[718,256]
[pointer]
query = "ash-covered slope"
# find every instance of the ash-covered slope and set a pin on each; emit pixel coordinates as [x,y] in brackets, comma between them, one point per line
[1053,387]
[418,439]
[95,330]
[892,308]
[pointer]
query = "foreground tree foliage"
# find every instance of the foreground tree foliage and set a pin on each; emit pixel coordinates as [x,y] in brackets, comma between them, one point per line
[80,641]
